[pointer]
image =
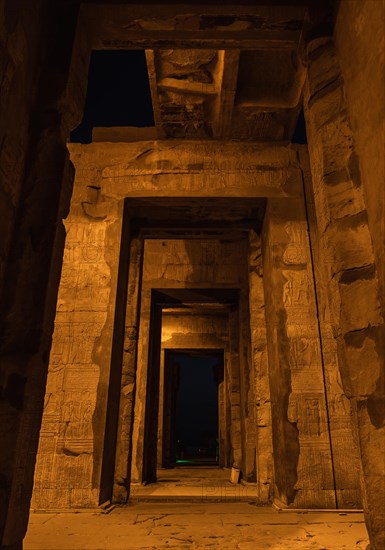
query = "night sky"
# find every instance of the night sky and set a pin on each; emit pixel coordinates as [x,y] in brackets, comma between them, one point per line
[118,94]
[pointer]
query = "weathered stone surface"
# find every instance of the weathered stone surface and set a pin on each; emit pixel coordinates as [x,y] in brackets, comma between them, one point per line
[228,526]
[359,305]
[33,130]
[354,291]
[359,40]
[344,198]
[199,169]
[79,365]
[361,382]
[301,440]
[128,374]
[346,460]
[260,370]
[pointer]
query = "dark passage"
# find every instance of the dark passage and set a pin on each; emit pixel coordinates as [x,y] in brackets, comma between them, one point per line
[196,411]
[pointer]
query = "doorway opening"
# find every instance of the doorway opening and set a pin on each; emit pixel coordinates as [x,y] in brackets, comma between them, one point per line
[192,382]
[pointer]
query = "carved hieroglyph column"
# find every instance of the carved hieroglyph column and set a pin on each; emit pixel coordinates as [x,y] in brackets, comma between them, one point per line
[68,469]
[351,280]
[344,446]
[303,472]
[247,389]
[122,473]
[235,392]
[260,380]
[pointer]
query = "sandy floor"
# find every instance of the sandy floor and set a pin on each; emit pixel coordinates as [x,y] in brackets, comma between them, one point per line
[197,484]
[225,526]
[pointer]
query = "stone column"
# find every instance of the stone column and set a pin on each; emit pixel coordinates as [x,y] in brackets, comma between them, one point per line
[152,395]
[344,446]
[146,390]
[171,381]
[68,469]
[236,439]
[303,471]
[122,475]
[264,449]
[35,189]
[168,411]
[352,280]
[246,392]
[159,453]
[228,386]
[221,419]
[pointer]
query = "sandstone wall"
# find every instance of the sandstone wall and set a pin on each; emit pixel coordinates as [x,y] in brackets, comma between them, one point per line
[35,186]
[188,169]
[202,330]
[105,175]
[348,253]
[70,452]
[123,373]
[304,475]
[360,44]
[259,358]
[343,444]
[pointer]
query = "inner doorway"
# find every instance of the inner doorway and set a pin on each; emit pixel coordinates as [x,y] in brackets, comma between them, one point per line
[193,380]
[191,429]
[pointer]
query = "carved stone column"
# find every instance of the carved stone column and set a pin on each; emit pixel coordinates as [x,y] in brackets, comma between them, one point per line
[264,450]
[344,445]
[303,472]
[352,280]
[236,437]
[122,473]
[35,189]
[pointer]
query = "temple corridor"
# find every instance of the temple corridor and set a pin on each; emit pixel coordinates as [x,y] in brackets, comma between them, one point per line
[192,228]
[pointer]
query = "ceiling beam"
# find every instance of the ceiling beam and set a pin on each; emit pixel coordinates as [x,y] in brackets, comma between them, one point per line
[219,40]
[224,103]
[185,26]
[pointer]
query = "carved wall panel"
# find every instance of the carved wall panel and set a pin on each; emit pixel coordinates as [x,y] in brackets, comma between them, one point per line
[79,367]
[300,419]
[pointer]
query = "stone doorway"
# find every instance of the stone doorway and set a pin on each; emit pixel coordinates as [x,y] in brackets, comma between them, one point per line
[191,429]
[186,323]
[191,408]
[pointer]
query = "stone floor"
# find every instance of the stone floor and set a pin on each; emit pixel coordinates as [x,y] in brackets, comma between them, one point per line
[198,484]
[211,526]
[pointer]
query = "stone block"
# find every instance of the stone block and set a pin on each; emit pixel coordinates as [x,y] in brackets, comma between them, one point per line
[349,244]
[364,365]
[324,67]
[344,199]
[360,307]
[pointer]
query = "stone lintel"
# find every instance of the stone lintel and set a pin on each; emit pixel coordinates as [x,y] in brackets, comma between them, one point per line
[184,26]
[187,169]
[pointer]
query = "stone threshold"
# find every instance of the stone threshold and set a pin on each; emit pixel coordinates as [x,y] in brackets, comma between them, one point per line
[340,511]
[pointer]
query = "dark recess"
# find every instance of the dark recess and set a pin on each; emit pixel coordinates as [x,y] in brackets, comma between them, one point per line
[299,135]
